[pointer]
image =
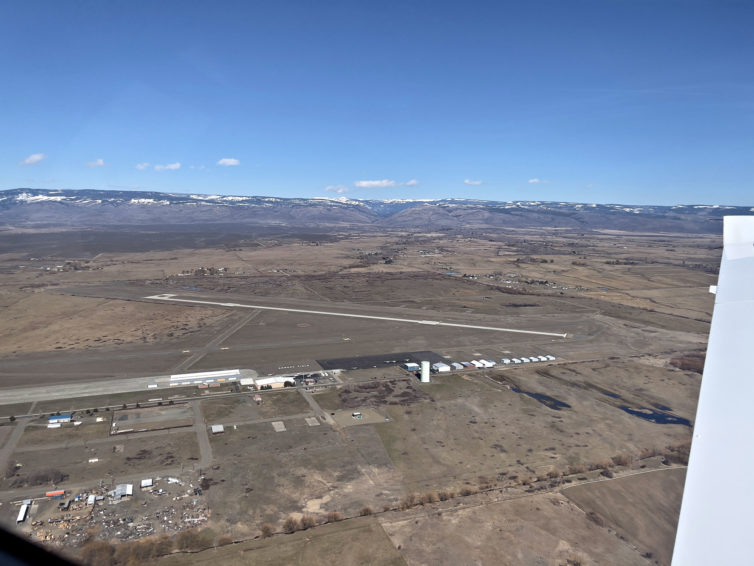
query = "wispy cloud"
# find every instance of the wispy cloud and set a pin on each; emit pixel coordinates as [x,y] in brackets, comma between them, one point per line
[96,163]
[384,184]
[229,162]
[340,189]
[473,183]
[33,159]
[142,166]
[168,167]
[380,184]
[534,181]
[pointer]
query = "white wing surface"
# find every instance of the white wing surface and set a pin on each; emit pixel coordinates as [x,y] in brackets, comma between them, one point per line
[715,525]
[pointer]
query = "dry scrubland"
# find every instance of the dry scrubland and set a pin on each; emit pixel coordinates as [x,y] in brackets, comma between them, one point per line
[470,468]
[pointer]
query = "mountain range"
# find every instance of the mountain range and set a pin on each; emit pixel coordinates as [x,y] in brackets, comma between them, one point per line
[42,208]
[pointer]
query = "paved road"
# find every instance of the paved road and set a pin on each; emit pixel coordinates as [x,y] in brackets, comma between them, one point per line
[318,412]
[117,439]
[170,297]
[214,343]
[200,427]
[7,451]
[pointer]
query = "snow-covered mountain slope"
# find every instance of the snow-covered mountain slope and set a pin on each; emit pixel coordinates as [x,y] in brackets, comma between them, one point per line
[93,208]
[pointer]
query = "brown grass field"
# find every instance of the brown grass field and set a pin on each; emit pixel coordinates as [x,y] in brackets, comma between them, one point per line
[635,307]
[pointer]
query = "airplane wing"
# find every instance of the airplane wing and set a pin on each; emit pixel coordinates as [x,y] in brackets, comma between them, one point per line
[715,525]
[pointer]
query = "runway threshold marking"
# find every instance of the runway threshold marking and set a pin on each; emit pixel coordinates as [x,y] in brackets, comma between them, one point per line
[169,297]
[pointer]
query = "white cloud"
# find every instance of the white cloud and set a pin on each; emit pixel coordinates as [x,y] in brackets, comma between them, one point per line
[470,182]
[33,159]
[384,184]
[229,162]
[535,181]
[168,167]
[97,163]
[142,166]
[340,189]
[381,184]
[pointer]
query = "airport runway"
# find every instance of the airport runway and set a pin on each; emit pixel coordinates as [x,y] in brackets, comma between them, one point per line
[170,297]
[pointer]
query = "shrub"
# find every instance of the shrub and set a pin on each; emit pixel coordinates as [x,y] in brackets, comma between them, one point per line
[307,522]
[443,496]
[124,554]
[97,553]
[195,540]
[185,540]
[429,497]
[576,469]
[690,362]
[10,469]
[46,476]
[224,540]
[678,454]
[143,550]
[411,500]
[366,511]
[623,460]
[267,530]
[595,518]
[291,524]
[466,491]
[163,545]
[333,516]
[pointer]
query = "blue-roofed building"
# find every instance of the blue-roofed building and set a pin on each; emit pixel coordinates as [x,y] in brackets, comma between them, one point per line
[64,418]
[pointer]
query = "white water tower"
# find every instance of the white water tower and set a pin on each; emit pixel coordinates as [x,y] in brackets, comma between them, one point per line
[425,372]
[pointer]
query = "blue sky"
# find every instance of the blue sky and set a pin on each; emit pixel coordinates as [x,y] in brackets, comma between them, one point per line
[592,101]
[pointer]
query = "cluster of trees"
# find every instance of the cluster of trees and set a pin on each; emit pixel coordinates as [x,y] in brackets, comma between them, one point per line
[103,553]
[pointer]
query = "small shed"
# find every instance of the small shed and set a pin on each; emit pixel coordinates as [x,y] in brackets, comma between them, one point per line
[146,483]
[410,366]
[218,429]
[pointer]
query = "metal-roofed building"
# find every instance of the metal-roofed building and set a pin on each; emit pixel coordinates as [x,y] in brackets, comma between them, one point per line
[205,377]
[122,490]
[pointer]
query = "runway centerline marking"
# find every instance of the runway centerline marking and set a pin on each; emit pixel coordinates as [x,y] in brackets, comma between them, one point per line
[169,297]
